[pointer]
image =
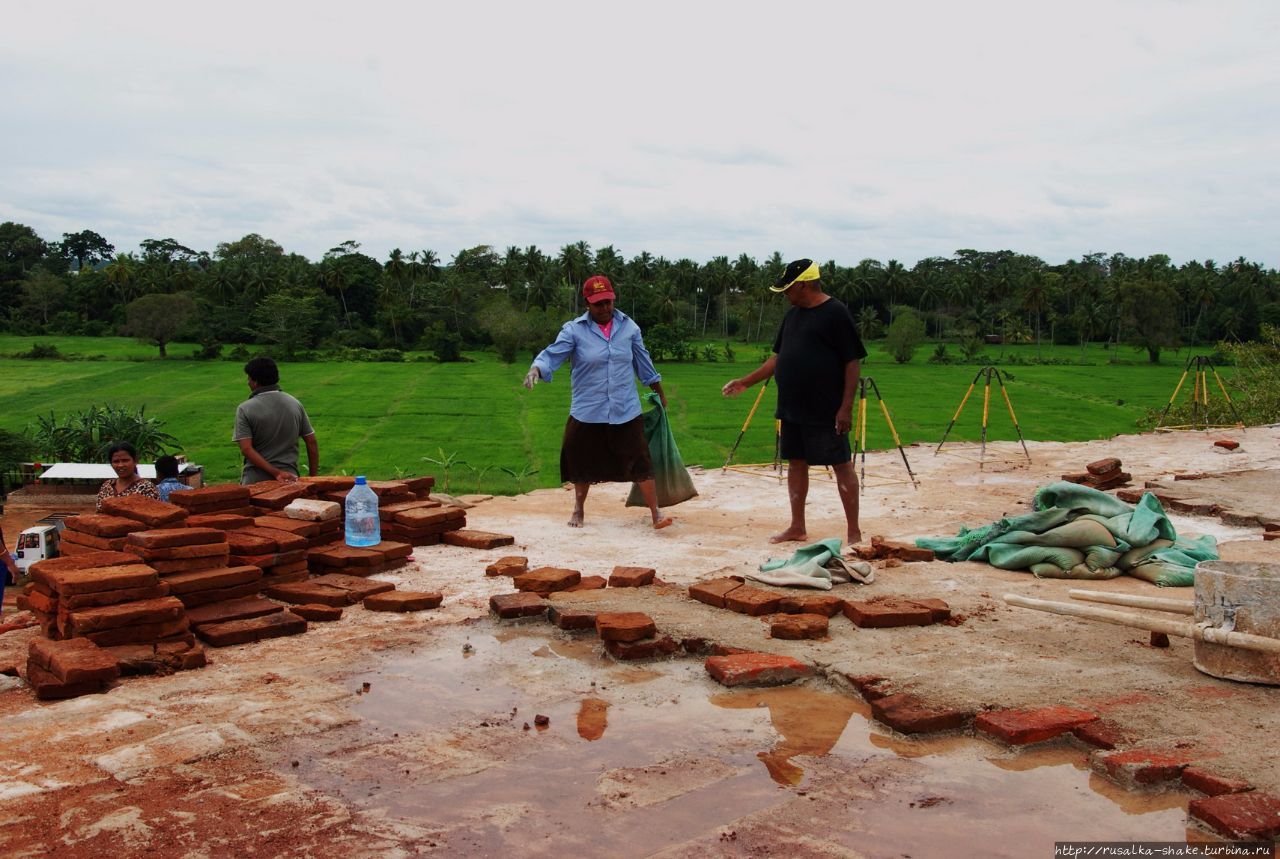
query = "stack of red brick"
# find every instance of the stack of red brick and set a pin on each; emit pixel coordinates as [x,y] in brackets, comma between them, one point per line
[96,532]
[224,506]
[1103,474]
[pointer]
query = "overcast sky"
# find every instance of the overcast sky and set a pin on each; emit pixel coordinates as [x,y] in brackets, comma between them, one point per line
[830,130]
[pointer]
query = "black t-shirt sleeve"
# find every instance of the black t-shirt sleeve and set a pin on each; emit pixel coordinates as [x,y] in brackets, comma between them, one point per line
[847,342]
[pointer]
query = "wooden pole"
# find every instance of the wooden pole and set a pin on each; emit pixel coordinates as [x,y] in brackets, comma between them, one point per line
[1211,634]
[1135,601]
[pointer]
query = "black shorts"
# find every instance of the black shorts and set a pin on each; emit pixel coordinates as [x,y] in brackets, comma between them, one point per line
[816,445]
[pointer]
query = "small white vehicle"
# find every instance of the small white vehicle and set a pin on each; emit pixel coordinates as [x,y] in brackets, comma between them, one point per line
[36,543]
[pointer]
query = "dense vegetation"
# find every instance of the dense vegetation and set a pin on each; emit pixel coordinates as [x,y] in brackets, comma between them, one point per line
[349,304]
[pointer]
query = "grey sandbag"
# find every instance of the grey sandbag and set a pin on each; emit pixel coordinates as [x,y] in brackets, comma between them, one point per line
[670,477]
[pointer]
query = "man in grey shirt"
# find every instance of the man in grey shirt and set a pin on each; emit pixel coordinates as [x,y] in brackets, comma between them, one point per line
[268,426]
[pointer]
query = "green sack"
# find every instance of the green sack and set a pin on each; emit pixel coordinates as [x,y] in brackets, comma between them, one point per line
[670,477]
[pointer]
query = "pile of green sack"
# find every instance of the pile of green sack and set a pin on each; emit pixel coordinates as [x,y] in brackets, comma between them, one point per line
[1081,533]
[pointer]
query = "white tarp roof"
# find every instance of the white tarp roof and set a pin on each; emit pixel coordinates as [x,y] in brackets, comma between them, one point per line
[96,471]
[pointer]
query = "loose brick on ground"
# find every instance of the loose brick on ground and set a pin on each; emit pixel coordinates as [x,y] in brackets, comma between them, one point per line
[360,587]
[587,583]
[237,609]
[253,629]
[47,687]
[909,714]
[546,580]
[1226,444]
[1020,727]
[1140,766]
[1212,784]
[937,608]
[645,648]
[823,604]
[74,661]
[1251,815]
[756,669]
[902,551]
[511,565]
[797,627]
[1101,734]
[302,593]
[571,618]
[1103,466]
[317,612]
[341,555]
[752,600]
[631,577]
[403,601]
[624,626]
[713,591]
[471,539]
[522,604]
[884,614]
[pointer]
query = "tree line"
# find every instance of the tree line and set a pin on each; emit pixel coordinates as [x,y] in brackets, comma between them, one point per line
[251,291]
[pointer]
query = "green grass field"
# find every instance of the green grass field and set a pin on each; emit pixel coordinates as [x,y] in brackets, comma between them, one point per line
[382,419]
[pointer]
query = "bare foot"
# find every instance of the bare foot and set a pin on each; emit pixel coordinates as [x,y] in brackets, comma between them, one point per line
[575,521]
[855,537]
[659,524]
[791,535]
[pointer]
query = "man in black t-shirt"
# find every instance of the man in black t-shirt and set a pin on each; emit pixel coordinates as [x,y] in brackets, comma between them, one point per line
[815,360]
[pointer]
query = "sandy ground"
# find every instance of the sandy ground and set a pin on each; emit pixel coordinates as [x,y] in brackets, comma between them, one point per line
[280,748]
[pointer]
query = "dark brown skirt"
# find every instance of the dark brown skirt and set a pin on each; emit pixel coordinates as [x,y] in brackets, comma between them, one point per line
[605,453]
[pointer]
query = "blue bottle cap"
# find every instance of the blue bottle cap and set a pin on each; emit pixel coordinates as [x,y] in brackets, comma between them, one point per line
[360,481]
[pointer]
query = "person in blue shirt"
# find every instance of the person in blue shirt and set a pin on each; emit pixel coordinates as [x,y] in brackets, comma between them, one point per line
[604,438]
[167,481]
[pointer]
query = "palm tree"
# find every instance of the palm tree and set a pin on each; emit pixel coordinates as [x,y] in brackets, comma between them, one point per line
[121,273]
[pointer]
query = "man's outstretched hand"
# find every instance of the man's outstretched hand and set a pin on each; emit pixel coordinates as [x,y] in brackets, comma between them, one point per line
[733,388]
[532,378]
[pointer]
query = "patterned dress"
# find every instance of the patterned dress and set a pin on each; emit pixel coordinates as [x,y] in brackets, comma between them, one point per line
[145,488]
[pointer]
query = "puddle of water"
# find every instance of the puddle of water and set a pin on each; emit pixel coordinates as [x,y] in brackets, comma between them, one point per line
[636,759]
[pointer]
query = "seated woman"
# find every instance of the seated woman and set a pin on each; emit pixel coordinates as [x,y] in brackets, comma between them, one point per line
[124,459]
[167,477]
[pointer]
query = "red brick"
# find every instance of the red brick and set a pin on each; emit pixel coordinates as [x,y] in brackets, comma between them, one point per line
[1020,727]
[390,489]
[241,542]
[631,577]
[624,626]
[422,517]
[902,551]
[1251,815]
[282,541]
[309,592]
[1141,766]
[328,483]
[190,565]
[1130,496]
[908,714]
[74,601]
[138,632]
[823,604]
[237,609]
[181,553]
[300,527]
[1212,784]
[476,539]
[393,550]
[81,562]
[74,661]
[100,525]
[523,604]
[253,629]
[216,595]
[756,669]
[94,579]
[872,687]
[221,521]
[359,587]
[148,511]
[403,601]
[88,541]
[159,610]
[713,591]
[277,496]
[587,583]
[170,537]
[795,627]
[387,512]
[423,484]
[1226,444]
[753,601]
[217,577]
[1101,734]
[49,688]
[571,618]
[511,565]
[937,608]
[317,612]
[341,555]
[158,657]
[645,648]
[546,580]
[1103,467]
[222,494]
[887,613]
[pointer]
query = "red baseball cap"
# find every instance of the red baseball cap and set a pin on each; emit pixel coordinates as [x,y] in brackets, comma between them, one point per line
[597,288]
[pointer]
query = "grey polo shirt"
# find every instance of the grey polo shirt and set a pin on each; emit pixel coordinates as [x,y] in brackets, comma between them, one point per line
[274,421]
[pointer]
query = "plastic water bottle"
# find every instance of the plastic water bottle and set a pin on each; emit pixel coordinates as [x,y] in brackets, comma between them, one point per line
[363,527]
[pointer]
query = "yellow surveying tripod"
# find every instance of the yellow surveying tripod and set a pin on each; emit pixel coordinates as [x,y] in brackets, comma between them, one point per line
[989,373]
[865,384]
[1199,394]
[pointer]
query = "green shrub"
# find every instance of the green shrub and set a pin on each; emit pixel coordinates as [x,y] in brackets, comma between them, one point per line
[87,434]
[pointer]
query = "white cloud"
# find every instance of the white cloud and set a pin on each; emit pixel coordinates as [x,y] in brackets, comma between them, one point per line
[832,130]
